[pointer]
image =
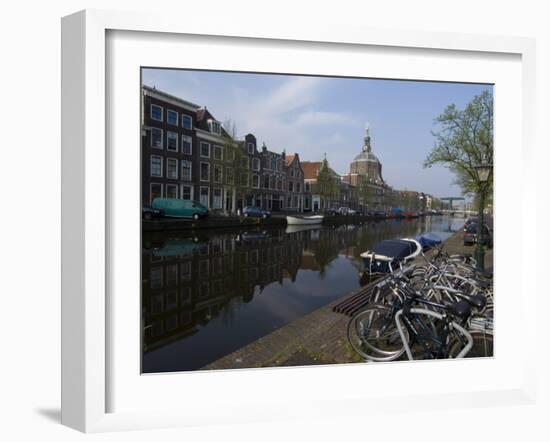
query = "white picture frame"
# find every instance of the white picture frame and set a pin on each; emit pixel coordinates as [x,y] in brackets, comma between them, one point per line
[90,365]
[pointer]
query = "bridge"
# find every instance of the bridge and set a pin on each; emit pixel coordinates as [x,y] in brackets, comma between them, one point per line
[451,210]
[450,199]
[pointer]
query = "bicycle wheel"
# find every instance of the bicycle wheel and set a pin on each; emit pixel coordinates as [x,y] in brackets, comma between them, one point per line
[373,334]
[482,348]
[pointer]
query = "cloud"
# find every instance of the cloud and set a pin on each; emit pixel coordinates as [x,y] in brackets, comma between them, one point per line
[294,93]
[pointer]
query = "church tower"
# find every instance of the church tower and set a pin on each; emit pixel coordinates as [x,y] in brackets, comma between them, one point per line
[367,163]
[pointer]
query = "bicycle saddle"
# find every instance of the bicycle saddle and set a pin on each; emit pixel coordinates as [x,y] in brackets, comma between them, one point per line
[477,301]
[460,309]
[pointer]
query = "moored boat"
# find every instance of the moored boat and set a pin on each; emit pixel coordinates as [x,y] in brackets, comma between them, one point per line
[295,228]
[304,219]
[428,240]
[386,255]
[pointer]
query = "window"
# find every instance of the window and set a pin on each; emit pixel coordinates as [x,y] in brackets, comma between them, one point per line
[156,112]
[186,122]
[172,141]
[156,166]
[205,172]
[255,164]
[186,145]
[156,137]
[205,196]
[156,277]
[266,181]
[217,199]
[204,290]
[229,175]
[292,173]
[214,126]
[186,170]
[307,186]
[185,275]
[291,186]
[298,187]
[171,169]
[272,181]
[155,191]
[217,174]
[185,296]
[171,191]
[256,181]
[218,153]
[244,179]
[205,149]
[250,147]
[204,269]
[157,303]
[172,117]
[186,192]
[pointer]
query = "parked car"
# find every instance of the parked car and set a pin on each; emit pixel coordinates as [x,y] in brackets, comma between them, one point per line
[346,211]
[469,221]
[331,211]
[379,214]
[470,235]
[255,212]
[176,208]
[147,212]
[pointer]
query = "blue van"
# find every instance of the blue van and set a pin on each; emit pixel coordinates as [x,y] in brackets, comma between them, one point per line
[176,208]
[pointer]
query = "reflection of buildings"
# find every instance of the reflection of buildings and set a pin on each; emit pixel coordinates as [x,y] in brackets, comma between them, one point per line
[186,287]
[186,282]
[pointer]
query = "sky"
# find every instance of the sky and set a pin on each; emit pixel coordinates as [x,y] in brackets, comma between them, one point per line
[314,116]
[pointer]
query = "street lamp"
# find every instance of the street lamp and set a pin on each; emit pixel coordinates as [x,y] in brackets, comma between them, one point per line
[483,171]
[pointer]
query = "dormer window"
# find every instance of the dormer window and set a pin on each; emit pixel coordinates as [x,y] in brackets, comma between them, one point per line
[250,147]
[214,126]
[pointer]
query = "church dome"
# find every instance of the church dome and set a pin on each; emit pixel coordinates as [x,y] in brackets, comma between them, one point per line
[367,156]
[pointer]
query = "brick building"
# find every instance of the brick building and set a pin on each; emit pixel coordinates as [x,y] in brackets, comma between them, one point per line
[168,146]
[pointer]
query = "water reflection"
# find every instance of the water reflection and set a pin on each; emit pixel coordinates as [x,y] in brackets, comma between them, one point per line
[208,293]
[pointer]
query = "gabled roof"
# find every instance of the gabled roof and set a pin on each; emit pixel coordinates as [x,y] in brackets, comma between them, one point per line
[289,159]
[311,169]
[202,117]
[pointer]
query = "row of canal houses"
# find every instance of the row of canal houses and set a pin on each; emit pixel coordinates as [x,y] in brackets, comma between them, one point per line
[187,154]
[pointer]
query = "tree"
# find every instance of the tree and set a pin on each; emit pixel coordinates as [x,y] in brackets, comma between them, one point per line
[234,154]
[327,185]
[464,141]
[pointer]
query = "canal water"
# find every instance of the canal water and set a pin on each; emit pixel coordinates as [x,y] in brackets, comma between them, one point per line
[207,293]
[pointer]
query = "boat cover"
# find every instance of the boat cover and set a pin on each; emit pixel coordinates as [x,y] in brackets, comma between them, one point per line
[395,248]
[427,240]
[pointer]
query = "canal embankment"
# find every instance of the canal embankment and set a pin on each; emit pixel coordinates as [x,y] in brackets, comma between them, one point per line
[220,222]
[319,337]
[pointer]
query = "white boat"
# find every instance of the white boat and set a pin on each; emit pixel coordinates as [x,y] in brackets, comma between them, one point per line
[295,228]
[303,220]
[386,255]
